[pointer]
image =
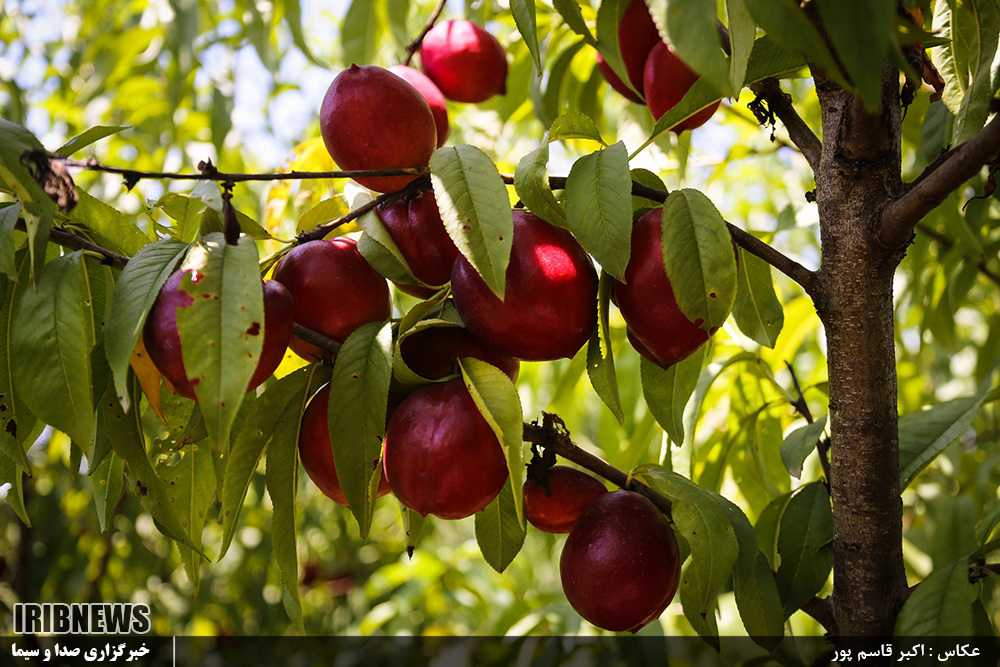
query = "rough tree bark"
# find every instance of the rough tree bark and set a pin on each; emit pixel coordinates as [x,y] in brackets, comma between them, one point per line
[858,176]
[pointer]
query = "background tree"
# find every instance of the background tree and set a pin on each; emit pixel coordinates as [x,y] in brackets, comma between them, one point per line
[858,158]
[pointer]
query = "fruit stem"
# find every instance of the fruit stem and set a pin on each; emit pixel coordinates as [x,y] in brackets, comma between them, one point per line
[550,436]
[412,47]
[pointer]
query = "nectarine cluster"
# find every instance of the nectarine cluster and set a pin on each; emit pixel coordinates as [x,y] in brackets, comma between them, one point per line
[660,77]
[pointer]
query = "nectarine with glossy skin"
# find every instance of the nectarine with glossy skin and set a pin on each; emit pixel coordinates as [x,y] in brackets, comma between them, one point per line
[433,353]
[373,119]
[316,450]
[163,342]
[415,226]
[616,83]
[550,302]
[666,80]
[637,35]
[571,491]
[334,289]
[431,93]
[467,63]
[620,565]
[441,457]
[646,300]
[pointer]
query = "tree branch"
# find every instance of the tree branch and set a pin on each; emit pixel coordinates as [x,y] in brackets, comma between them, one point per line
[745,240]
[780,104]
[209,173]
[413,46]
[69,240]
[901,217]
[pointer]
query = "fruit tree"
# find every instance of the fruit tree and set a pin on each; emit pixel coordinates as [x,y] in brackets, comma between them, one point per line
[668,316]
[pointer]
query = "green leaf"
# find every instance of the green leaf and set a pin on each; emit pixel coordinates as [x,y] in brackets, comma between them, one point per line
[767,60]
[668,391]
[274,417]
[941,605]
[702,620]
[326,211]
[965,61]
[706,527]
[698,258]
[359,393]
[570,11]
[523,12]
[799,445]
[499,531]
[926,433]
[88,137]
[499,403]
[599,207]
[861,33]
[293,16]
[531,182]
[49,340]
[108,481]
[756,592]
[125,433]
[12,473]
[360,31]
[767,528]
[189,473]
[138,286]
[551,98]
[372,225]
[220,331]
[475,209]
[757,310]
[280,479]
[109,222]
[600,358]
[689,27]
[186,213]
[398,11]
[413,526]
[742,32]
[384,261]
[609,15]
[786,23]
[8,218]
[574,125]
[16,422]
[805,544]
[38,209]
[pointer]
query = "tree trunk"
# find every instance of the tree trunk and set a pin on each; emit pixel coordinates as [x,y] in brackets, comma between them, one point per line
[859,175]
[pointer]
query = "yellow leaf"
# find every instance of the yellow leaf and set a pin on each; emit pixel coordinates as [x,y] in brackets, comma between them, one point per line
[149,378]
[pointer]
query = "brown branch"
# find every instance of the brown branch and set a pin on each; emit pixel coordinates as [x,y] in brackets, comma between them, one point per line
[819,609]
[209,173]
[780,104]
[412,47]
[551,437]
[324,343]
[69,240]
[948,244]
[901,217]
[745,240]
[318,232]
[800,404]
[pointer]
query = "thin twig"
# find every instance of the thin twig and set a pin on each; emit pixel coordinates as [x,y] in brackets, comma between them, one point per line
[412,47]
[132,175]
[780,104]
[800,404]
[745,240]
[549,436]
[320,231]
[73,242]
[901,217]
